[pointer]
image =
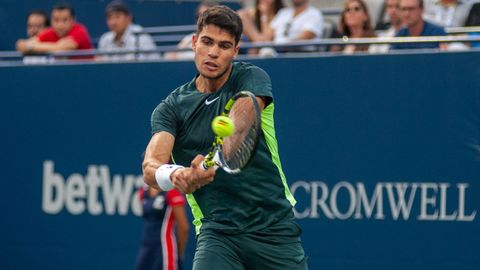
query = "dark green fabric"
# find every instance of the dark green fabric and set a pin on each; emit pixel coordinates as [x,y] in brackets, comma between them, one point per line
[252,251]
[249,201]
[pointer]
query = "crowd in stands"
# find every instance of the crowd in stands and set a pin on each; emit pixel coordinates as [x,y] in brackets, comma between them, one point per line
[271,21]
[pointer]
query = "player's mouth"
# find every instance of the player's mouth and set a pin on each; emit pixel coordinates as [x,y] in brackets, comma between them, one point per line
[210,65]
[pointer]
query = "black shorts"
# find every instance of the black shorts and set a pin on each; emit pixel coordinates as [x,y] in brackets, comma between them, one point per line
[217,251]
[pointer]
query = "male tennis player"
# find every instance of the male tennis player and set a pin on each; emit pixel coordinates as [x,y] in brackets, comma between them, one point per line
[243,221]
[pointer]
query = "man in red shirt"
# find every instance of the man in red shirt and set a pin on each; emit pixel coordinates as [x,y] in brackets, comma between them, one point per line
[64,35]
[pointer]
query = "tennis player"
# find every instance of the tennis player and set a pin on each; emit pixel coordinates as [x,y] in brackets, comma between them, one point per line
[242,221]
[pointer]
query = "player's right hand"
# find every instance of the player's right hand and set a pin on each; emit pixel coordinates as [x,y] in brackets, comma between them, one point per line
[189,179]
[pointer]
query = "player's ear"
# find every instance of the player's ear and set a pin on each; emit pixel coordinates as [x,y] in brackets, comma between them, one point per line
[237,49]
[194,41]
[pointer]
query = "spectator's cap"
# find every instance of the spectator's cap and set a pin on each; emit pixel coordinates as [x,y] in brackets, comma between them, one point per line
[117,6]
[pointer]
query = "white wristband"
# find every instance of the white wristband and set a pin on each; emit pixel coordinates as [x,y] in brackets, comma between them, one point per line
[162,175]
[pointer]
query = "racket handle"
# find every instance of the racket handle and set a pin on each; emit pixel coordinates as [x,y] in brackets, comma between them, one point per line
[209,161]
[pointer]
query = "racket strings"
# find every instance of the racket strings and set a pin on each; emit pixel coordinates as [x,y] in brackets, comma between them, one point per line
[238,147]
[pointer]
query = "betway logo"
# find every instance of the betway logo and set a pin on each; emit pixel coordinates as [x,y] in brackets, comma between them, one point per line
[95,193]
[429,201]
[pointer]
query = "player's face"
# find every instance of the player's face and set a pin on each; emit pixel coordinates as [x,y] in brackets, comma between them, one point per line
[35,24]
[62,22]
[214,50]
[118,21]
[411,12]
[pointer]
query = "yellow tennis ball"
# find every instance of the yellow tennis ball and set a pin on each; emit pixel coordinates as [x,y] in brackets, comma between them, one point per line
[223,126]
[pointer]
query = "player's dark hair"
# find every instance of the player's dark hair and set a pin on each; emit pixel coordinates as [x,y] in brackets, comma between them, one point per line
[64,6]
[224,18]
[40,13]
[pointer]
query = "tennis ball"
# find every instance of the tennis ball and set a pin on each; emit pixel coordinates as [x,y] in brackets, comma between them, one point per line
[223,126]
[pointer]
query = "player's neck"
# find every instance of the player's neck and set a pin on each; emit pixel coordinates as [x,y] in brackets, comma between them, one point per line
[210,85]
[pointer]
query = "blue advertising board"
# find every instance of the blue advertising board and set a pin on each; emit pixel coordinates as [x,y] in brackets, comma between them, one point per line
[382,153]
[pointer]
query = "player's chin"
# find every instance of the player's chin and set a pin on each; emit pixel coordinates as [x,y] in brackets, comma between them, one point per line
[211,75]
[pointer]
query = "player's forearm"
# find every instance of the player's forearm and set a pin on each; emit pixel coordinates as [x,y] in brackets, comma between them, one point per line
[149,168]
[157,153]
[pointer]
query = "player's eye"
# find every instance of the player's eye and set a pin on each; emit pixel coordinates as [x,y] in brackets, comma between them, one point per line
[225,46]
[207,41]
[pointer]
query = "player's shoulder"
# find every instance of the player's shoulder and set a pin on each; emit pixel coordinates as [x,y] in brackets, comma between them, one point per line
[176,95]
[241,68]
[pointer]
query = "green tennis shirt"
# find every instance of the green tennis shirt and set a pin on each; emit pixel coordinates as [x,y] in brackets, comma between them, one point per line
[256,199]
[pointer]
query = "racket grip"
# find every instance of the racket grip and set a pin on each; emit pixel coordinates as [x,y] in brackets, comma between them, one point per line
[209,162]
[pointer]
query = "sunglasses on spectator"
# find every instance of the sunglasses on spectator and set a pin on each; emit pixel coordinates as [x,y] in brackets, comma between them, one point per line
[354,9]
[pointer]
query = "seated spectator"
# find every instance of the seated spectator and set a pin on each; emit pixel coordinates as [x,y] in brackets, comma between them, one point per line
[64,35]
[37,21]
[256,20]
[124,36]
[391,28]
[415,26]
[354,23]
[394,22]
[473,18]
[447,13]
[186,41]
[299,22]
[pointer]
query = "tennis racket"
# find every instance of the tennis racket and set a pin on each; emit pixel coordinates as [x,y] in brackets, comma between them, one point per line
[233,153]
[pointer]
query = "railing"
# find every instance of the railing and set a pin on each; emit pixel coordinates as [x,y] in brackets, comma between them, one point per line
[462,30]
[16,57]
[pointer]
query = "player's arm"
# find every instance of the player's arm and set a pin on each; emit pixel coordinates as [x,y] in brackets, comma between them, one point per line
[184,179]
[157,153]
[182,228]
[261,102]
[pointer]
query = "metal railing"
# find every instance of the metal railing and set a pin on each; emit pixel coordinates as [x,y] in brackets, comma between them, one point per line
[14,56]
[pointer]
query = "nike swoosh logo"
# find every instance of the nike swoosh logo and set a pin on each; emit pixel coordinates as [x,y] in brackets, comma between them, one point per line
[208,102]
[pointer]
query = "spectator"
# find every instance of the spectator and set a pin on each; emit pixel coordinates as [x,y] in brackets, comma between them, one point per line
[447,13]
[186,41]
[37,21]
[393,14]
[300,22]
[256,20]
[165,230]
[124,36]
[64,35]
[354,23]
[391,28]
[473,18]
[415,26]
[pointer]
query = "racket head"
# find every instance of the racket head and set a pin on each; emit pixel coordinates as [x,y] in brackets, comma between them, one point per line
[237,150]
